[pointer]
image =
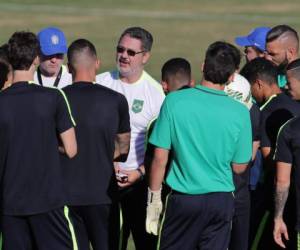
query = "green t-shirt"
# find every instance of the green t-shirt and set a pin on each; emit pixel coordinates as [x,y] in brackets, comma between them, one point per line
[207,131]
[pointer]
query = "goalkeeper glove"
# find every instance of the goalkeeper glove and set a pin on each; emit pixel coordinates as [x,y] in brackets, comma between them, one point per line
[154,209]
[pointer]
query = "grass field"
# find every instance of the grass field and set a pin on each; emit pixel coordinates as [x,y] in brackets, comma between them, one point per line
[180,27]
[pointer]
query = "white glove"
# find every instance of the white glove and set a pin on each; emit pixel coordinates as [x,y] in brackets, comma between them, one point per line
[154,209]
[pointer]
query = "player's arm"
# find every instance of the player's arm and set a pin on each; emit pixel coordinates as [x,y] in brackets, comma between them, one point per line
[122,145]
[158,168]
[283,172]
[69,144]
[239,168]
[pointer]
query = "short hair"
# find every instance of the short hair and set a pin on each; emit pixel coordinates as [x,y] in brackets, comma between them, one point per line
[4,53]
[236,55]
[141,34]
[262,69]
[219,63]
[80,46]
[279,30]
[4,71]
[178,67]
[294,68]
[23,48]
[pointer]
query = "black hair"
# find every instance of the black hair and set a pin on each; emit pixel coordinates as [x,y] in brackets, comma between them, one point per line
[23,48]
[4,71]
[279,30]
[294,67]
[141,34]
[260,68]
[220,62]
[178,67]
[78,46]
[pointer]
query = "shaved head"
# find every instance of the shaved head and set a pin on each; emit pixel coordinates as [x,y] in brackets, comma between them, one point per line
[81,54]
[282,46]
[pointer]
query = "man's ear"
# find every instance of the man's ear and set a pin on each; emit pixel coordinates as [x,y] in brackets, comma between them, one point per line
[36,61]
[164,85]
[260,83]
[231,77]
[202,67]
[146,57]
[97,64]
[291,53]
[70,68]
[192,83]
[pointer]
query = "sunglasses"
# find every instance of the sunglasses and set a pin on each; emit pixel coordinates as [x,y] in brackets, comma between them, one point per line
[130,52]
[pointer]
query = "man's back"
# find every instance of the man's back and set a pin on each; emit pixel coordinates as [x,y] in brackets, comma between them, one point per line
[206,134]
[30,119]
[100,114]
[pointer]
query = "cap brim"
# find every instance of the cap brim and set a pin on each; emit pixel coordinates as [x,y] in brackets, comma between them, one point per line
[52,50]
[243,41]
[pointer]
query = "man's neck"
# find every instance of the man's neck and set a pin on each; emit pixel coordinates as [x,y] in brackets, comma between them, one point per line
[211,85]
[84,76]
[273,90]
[131,78]
[22,76]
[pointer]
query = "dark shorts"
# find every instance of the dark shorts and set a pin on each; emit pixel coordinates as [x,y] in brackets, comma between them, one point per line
[197,221]
[45,231]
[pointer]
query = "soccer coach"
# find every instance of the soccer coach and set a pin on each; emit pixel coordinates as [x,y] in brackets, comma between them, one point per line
[210,135]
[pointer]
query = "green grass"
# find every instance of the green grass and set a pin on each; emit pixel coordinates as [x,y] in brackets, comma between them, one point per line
[180,28]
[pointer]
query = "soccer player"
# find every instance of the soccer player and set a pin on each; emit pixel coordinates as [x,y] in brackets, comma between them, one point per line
[200,174]
[33,120]
[282,48]
[276,109]
[102,117]
[254,43]
[287,180]
[144,96]
[176,75]
[293,79]
[51,71]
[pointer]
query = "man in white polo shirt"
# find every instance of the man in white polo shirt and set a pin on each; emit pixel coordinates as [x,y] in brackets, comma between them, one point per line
[145,96]
[51,71]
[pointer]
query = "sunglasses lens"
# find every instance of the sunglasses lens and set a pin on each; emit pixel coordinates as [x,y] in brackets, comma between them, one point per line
[120,49]
[131,52]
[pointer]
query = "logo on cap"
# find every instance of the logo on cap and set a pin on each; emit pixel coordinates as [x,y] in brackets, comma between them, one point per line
[54,39]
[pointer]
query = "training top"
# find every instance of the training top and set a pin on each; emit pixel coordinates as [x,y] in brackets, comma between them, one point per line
[65,79]
[288,151]
[100,115]
[207,131]
[31,119]
[274,113]
[144,98]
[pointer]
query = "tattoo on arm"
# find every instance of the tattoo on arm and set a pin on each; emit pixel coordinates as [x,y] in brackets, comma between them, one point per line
[122,144]
[281,196]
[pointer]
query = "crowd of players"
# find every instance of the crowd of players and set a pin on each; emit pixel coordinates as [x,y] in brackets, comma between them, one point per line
[86,159]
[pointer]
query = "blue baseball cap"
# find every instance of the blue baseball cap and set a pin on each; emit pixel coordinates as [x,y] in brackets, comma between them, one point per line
[52,41]
[257,37]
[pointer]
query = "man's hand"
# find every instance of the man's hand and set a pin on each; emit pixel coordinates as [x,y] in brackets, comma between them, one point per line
[279,230]
[154,209]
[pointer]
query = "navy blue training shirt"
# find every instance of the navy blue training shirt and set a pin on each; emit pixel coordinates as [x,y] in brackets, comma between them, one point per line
[31,118]
[100,115]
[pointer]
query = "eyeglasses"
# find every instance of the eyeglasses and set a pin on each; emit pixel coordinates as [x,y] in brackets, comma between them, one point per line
[130,52]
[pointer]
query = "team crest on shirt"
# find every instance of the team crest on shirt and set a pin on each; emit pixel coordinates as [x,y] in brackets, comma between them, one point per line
[137,106]
[54,39]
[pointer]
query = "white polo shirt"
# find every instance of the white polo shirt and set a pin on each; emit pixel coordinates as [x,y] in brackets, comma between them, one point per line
[66,79]
[144,98]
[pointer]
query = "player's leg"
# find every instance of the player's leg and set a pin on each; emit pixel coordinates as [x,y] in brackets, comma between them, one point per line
[54,230]
[216,234]
[79,227]
[16,234]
